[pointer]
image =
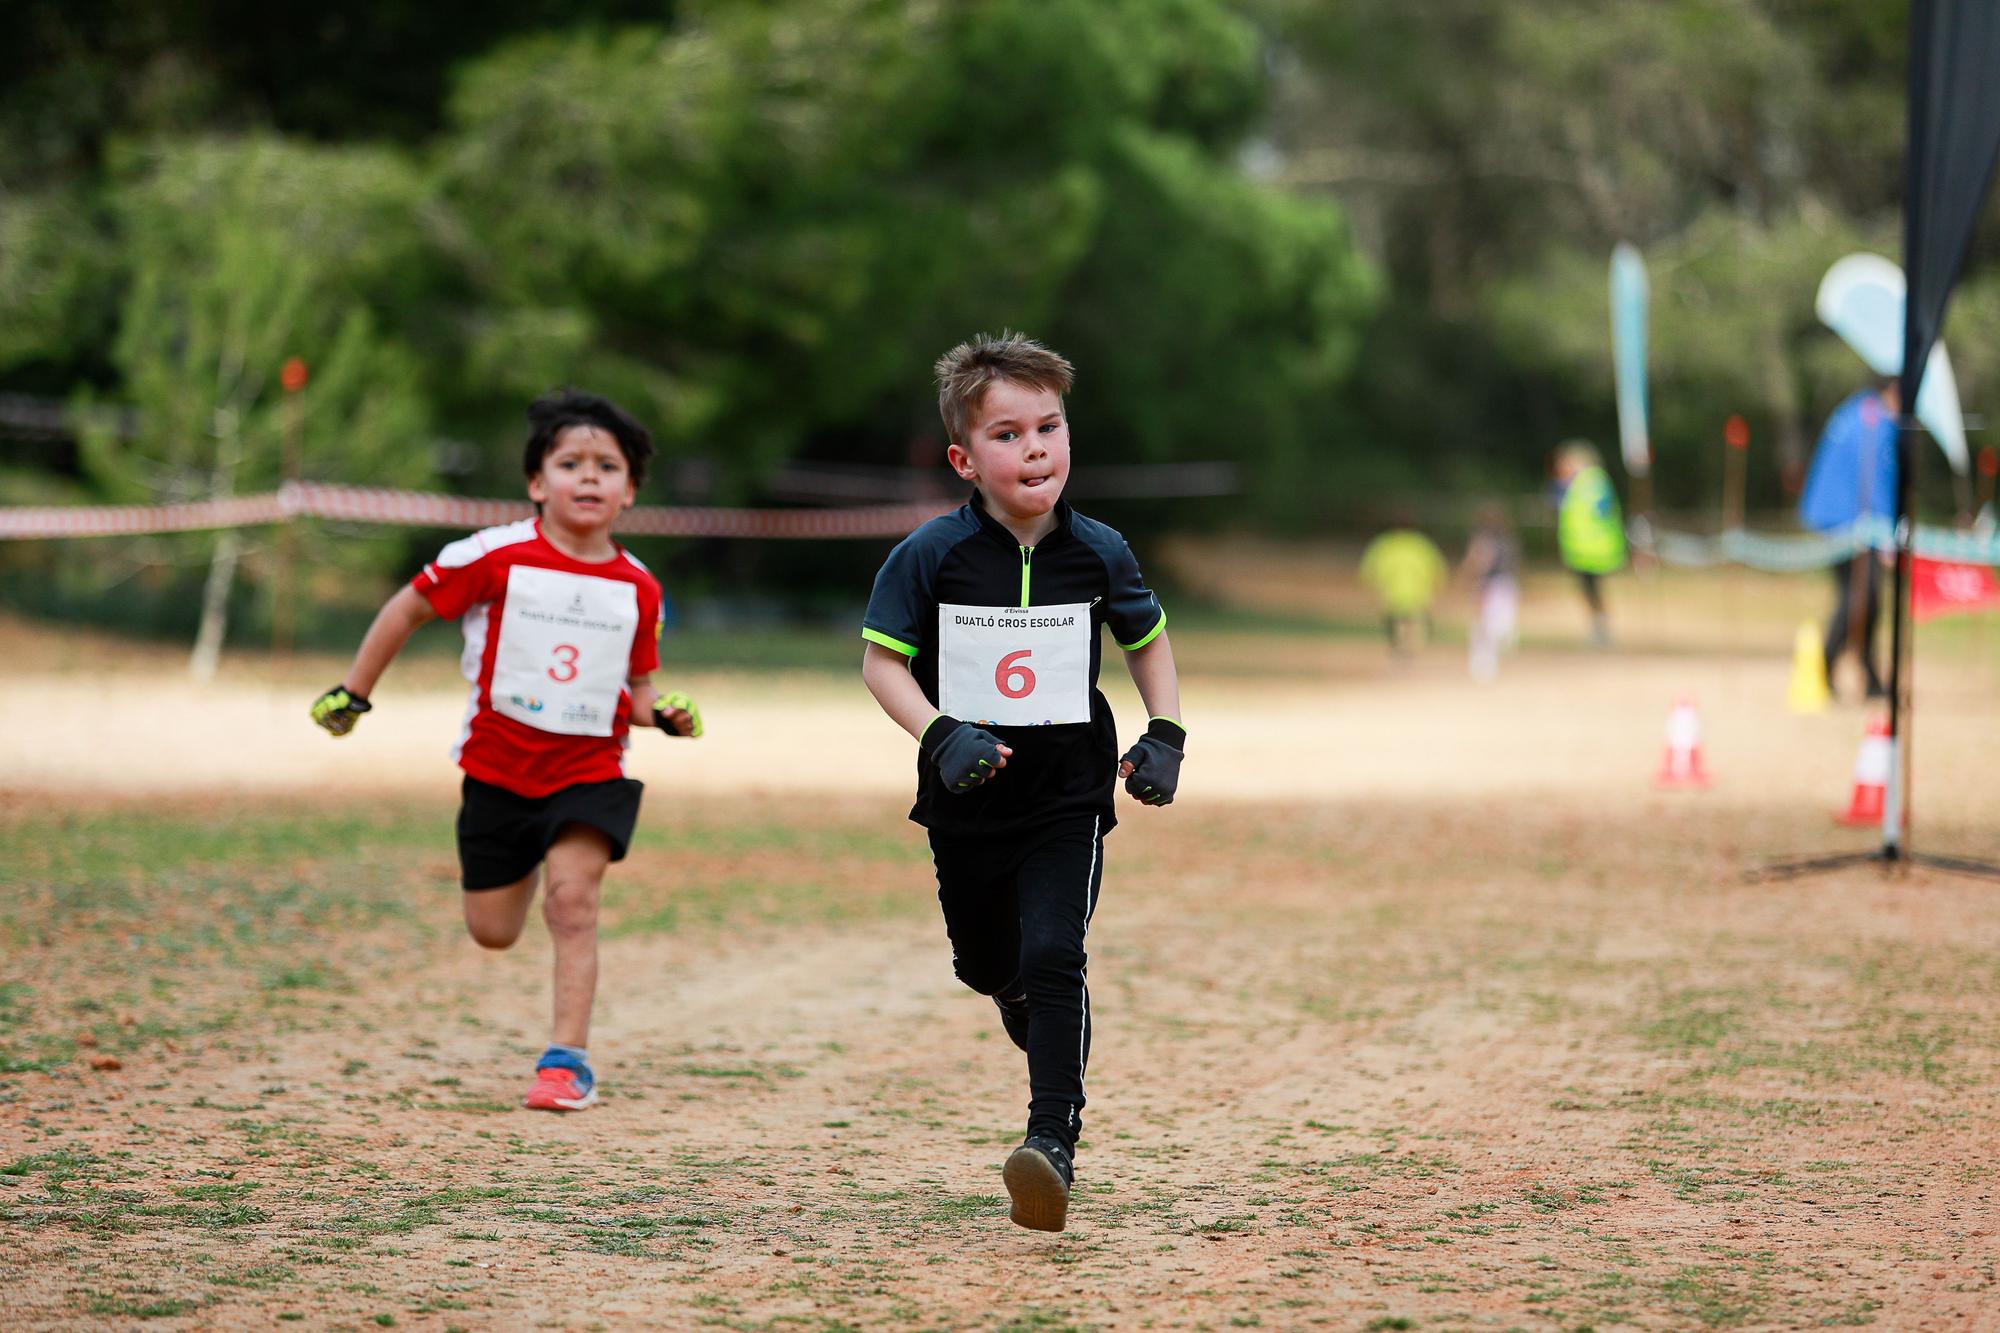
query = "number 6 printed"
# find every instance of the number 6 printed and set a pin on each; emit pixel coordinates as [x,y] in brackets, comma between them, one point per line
[564,663]
[1010,668]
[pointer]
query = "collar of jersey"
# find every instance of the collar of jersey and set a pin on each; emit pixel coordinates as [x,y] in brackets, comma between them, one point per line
[617,551]
[997,530]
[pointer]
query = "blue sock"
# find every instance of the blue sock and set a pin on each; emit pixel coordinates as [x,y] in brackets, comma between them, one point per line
[578,1053]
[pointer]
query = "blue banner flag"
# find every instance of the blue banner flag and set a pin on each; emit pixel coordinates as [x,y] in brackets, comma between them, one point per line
[1628,355]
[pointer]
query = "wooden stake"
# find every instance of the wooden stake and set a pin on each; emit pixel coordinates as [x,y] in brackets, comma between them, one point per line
[284,599]
[1735,462]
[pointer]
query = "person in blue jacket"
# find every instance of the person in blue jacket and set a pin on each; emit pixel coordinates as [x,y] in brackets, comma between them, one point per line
[1853,475]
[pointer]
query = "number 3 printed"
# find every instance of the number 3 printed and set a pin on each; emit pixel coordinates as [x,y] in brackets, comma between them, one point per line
[564,671]
[1010,670]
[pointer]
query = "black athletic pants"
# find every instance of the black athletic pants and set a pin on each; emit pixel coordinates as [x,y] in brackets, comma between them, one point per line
[1838,627]
[1593,590]
[1017,910]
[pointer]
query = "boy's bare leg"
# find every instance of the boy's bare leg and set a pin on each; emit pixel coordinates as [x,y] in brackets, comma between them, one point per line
[575,869]
[494,917]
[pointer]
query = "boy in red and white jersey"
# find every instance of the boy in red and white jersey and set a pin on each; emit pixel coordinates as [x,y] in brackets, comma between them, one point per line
[561,640]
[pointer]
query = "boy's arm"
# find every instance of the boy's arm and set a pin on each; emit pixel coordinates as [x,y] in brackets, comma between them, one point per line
[966,756]
[643,697]
[1152,669]
[341,707]
[1151,769]
[886,673]
[393,625]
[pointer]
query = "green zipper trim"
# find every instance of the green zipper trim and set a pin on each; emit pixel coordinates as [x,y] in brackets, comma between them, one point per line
[1027,557]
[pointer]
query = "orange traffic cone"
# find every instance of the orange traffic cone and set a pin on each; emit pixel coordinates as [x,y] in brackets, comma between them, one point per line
[1871,776]
[1681,765]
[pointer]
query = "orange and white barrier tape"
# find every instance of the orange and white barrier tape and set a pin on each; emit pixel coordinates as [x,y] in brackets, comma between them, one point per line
[239,511]
[368,504]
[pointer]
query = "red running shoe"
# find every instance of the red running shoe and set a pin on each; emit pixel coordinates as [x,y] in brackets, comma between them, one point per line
[562,1083]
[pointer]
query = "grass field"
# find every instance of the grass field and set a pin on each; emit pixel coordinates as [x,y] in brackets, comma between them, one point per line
[1420,1010]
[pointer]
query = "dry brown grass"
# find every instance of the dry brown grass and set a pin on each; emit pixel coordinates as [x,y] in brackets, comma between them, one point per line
[1422,1009]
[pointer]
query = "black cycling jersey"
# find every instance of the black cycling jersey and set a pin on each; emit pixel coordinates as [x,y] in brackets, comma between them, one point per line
[956,588]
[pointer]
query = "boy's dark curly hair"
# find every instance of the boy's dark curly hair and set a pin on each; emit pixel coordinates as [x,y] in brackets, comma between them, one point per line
[559,409]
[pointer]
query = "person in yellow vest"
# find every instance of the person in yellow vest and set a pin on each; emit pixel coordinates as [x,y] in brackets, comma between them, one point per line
[1406,571]
[1590,530]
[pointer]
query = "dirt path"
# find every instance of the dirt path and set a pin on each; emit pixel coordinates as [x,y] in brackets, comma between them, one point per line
[1423,1012]
[1379,1065]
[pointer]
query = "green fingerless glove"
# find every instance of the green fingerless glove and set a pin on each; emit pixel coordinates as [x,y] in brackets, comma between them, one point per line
[339,709]
[965,756]
[661,707]
[1156,762]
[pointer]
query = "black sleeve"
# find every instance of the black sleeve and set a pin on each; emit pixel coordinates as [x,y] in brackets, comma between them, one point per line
[902,609]
[1130,608]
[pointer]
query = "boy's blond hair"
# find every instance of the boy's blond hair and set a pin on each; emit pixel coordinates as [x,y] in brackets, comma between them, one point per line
[967,371]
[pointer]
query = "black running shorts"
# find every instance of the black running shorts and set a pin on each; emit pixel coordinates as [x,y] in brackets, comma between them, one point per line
[502,836]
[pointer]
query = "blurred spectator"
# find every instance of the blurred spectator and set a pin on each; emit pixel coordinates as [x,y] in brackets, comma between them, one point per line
[1853,474]
[1590,531]
[1407,571]
[1493,566]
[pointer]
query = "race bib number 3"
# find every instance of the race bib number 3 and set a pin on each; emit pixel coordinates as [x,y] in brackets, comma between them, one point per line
[565,646]
[1015,666]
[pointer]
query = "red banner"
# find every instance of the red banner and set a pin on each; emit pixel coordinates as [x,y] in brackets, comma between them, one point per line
[1943,588]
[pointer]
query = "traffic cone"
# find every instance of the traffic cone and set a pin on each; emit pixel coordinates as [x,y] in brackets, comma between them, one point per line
[1809,691]
[1681,765]
[1871,776]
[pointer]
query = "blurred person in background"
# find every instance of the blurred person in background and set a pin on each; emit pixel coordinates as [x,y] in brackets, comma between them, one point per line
[1407,572]
[1853,475]
[1590,530]
[1493,566]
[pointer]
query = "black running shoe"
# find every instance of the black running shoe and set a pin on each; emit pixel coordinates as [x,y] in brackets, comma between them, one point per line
[1014,1018]
[1038,1176]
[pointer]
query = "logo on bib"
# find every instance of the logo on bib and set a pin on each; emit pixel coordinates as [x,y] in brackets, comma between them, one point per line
[527,701]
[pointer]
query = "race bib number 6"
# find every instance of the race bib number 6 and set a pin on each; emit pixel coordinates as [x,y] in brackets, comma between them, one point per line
[1015,666]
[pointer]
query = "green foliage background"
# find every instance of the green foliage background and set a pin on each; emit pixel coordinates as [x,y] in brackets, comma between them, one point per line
[1490,155]
[1356,246]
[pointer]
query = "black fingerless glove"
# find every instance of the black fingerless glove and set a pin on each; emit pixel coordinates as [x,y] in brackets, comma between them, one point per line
[963,754]
[1156,762]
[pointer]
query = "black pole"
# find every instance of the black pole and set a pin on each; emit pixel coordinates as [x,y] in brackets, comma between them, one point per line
[1894,797]
[1916,349]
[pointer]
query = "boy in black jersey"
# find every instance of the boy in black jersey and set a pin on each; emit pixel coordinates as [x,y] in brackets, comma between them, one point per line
[983,644]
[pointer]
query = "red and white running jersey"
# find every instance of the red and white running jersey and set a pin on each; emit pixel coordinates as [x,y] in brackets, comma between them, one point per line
[550,642]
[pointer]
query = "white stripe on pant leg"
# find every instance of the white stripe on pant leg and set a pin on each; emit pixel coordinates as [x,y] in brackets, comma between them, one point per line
[1089,904]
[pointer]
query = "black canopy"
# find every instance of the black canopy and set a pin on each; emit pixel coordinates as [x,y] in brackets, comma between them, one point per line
[1954,141]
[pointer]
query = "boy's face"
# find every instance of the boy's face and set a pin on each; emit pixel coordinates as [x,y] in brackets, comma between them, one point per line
[1016,450]
[583,482]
